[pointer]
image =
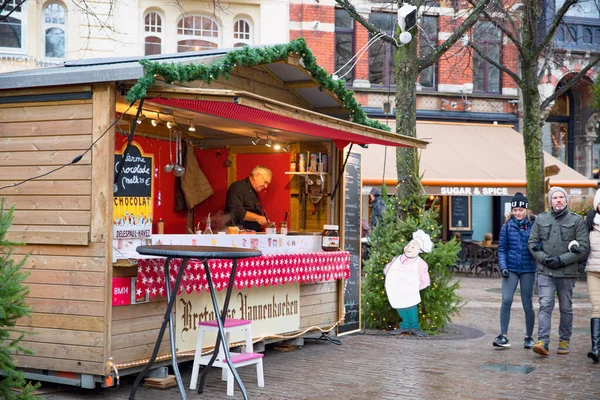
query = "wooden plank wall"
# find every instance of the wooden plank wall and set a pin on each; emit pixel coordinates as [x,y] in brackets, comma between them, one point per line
[318,304]
[68,271]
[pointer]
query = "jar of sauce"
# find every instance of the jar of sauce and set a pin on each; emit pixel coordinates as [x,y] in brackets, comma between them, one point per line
[330,241]
[270,228]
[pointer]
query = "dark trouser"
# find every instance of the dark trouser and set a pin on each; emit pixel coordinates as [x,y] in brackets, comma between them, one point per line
[548,285]
[509,285]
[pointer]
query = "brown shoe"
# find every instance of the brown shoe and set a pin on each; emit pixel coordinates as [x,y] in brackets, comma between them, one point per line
[563,347]
[541,348]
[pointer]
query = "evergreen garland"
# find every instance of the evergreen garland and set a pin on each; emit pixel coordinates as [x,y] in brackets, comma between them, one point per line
[439,301]
[251,57]
[12,307]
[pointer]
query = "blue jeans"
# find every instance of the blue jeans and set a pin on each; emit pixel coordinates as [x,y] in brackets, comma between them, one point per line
[549,285]
[509,286]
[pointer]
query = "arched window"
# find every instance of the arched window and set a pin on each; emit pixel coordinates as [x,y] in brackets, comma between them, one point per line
[197,32]
[153,33]
[55,23]
[12,28]
[242,33]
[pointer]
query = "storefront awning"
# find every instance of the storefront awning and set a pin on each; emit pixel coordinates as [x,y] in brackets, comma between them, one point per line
[470,159]
[245,110]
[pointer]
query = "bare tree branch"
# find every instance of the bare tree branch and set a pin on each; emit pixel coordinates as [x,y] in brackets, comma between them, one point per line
[558,18]
[498,24]
[496,64]
[431,58]
[570,83]
[346,5]
[4,5]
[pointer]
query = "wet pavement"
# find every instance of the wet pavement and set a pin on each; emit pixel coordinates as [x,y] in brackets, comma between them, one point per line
[461,364]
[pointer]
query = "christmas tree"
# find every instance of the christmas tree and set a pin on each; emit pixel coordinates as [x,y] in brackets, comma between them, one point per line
[12,307]
[439,301]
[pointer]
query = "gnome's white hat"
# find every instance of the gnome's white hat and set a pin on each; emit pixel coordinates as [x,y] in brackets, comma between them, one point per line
[424,240]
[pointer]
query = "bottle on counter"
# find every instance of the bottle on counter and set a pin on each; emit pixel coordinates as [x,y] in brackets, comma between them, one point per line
[208,230]
[160,226]
[330,241]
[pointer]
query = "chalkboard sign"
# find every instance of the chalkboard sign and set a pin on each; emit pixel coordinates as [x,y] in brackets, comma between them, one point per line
[351,241]
[460,213]
[136,176]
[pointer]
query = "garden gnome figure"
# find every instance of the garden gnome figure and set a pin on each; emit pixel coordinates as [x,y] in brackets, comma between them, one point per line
[405,276]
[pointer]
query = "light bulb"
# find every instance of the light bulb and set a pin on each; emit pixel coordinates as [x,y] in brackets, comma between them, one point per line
[269,143]
[277,146]
[192,129]
[140,119]
[154,122]
[405,37]
[170,124]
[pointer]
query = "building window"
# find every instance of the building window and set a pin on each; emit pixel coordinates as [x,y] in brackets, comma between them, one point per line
[486,77]
[153,33]
[55,23]
[196,32]
[557,132]
[11,26]
[344,45]
[382,55]
[428,39]
[242,33]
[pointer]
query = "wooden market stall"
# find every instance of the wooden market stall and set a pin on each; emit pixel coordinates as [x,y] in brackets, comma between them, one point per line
[61,122]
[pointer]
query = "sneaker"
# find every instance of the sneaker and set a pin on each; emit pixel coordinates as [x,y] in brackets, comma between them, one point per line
[501,341]
[541,348]
[563,347]
[528,342]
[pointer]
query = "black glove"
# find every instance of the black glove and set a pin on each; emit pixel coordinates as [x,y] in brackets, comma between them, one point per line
[581,267]
[505,273]
[553,262]
[538,247]
[575,249]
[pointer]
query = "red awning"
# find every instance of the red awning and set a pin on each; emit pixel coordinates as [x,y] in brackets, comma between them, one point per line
[270,120]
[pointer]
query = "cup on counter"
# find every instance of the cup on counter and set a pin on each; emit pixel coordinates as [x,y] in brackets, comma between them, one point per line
[233,230]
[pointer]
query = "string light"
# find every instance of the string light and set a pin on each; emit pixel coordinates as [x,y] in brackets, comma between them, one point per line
[234,344]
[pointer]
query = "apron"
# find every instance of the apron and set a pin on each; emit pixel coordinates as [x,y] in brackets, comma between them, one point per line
[402,284]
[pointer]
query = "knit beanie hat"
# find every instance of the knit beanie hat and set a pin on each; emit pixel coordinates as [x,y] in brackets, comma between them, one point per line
[596,200]
[554,190]
[376,192]
[519,200]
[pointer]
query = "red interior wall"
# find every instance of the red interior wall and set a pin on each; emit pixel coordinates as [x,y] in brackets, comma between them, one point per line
[212,164]
[276,198]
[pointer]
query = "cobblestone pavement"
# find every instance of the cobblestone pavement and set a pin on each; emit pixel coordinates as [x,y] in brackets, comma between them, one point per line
[377,366]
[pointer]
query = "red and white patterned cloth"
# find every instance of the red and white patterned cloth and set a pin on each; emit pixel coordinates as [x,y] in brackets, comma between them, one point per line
[266,270]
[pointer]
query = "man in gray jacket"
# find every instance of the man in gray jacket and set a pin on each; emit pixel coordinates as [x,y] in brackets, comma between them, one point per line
[559,239]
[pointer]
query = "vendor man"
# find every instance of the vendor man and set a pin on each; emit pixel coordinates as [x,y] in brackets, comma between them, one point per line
[242,199]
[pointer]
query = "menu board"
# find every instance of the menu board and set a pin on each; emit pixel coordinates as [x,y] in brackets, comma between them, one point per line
[351,232]
[460,213]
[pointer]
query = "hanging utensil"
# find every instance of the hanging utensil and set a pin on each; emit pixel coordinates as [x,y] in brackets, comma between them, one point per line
[227,162]
[179,169]
[169,166]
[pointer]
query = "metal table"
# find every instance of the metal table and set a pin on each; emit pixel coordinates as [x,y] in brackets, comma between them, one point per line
[202,253]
